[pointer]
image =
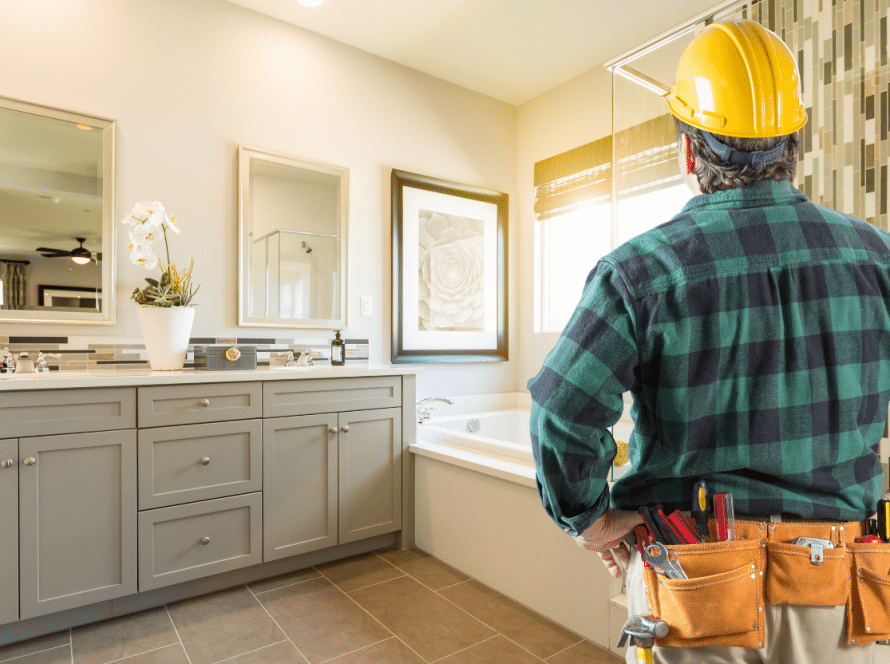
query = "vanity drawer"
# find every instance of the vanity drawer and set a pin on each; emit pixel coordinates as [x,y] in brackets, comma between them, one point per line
[191,404]
[195,462]
[49,412]
[308,397]
[192,541]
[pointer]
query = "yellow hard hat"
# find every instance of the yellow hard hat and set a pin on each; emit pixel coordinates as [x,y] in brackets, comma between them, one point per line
[738,79]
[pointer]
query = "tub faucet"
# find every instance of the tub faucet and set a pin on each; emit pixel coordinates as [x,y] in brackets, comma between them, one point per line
[424,406]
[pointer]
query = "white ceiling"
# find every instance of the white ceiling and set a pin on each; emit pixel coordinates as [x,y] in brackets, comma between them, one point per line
[513,50]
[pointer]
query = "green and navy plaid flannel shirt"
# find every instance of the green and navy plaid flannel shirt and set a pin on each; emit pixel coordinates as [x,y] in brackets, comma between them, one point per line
[753,333]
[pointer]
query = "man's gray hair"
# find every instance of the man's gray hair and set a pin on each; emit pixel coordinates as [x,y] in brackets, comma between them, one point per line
[715,175]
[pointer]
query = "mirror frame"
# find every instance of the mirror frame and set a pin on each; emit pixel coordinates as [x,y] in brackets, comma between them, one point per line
[245,155]
[109,261]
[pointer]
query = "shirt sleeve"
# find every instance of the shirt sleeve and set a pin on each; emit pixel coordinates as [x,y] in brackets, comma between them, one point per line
[577,395]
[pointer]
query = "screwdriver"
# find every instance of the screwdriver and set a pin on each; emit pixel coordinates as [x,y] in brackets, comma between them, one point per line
[700,502]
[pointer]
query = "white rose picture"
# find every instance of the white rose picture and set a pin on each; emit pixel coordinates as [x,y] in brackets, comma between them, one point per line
[451,272]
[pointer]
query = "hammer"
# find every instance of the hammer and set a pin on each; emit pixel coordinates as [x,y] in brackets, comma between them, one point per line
[642,632]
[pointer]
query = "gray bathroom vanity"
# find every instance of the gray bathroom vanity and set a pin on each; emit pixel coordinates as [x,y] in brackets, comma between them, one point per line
[132,491]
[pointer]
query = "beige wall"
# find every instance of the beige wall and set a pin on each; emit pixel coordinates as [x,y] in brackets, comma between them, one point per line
[575,113]
[189,80]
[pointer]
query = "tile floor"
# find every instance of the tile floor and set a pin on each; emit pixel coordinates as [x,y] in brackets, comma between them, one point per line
[384,607]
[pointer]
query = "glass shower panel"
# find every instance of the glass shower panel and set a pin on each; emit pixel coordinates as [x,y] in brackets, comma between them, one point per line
[648,187]
[308,276]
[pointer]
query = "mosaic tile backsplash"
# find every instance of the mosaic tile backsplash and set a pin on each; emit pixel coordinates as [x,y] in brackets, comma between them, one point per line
[112,354]
[841,49]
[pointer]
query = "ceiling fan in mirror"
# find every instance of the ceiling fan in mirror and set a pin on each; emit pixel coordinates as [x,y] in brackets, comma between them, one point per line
[80,255]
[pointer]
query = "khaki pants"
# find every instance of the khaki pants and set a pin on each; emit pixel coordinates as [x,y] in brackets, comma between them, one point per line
[794,634]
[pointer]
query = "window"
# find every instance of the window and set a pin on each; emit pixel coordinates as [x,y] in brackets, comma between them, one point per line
[573,228]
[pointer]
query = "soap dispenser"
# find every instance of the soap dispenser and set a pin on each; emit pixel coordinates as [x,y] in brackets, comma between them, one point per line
[338,350]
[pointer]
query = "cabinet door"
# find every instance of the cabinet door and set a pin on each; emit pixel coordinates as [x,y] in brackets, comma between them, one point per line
[299,485]
[9,530]
[370,473]
[77,495]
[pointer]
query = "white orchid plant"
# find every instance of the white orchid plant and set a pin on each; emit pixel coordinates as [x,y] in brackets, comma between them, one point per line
[149,223]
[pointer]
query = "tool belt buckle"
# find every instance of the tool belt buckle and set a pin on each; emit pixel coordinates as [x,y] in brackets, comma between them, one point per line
[816,546]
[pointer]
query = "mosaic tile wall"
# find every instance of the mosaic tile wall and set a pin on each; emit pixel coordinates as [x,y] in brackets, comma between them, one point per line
[118,354]
[841,49]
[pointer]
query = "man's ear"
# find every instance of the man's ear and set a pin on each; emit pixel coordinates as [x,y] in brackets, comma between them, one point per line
[687,150]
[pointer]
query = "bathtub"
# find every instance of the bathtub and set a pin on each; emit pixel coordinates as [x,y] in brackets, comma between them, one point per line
[501,432]
[477,509]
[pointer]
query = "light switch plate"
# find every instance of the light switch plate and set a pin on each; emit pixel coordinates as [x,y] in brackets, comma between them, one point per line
[366,305]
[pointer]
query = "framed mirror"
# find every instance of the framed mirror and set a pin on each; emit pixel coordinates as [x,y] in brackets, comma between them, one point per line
[56,215]
[292,242]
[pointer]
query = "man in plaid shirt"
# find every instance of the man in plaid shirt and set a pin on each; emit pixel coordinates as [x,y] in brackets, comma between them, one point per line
[753,333]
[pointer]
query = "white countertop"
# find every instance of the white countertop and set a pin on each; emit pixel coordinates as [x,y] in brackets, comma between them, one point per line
[58,380]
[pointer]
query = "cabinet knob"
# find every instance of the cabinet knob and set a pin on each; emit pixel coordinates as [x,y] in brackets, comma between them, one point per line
[345,428]
[205,540]
[333,429]
[7,463]
[205,461]
[205,403]
[30,461]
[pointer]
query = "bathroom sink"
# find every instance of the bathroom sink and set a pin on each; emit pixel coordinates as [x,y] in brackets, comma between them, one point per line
[300,368]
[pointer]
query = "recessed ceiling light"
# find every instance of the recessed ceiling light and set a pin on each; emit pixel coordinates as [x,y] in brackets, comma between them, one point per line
[311,3]
[86,127]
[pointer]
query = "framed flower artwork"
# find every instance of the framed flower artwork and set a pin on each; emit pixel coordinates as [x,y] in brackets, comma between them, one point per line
[449,271]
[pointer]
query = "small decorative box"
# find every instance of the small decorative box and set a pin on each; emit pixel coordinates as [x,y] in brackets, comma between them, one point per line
[225,358]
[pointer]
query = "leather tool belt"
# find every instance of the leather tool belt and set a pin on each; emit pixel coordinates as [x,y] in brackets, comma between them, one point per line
[722,601]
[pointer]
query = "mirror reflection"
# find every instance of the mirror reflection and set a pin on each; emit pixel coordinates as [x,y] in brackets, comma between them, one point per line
[56,184]
[293,248]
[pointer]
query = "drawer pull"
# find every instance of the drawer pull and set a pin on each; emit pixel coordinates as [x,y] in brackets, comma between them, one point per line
[205,461]
[345,428]
[333,429]
[205,403]
[205,540]
[30,461]
[7,463]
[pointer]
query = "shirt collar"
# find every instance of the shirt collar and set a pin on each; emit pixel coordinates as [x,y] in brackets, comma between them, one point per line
[755,195]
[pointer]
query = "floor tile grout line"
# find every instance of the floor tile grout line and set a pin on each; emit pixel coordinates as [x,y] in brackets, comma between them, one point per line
[564,649]
[436,592]
[376,583]
[447,587]
[377,643]
[29,654]
[395,636]
[580,638]
[138,654]
[497,631]
[295,583]
[496,635]
[249,652]
[178,636]
[272,618]
[421,582]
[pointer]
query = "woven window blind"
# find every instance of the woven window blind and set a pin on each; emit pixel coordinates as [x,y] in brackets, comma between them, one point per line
[647,159]
[573,179]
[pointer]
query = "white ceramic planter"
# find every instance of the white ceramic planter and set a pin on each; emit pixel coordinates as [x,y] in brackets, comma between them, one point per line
[166,332]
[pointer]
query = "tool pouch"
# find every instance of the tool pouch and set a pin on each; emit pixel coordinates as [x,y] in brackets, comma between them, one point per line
[793,577]
[868,611]
[721,601]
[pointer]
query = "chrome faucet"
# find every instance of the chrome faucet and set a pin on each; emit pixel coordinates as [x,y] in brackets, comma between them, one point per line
[8,362]
[424,406]
[25,363]
[304,359]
